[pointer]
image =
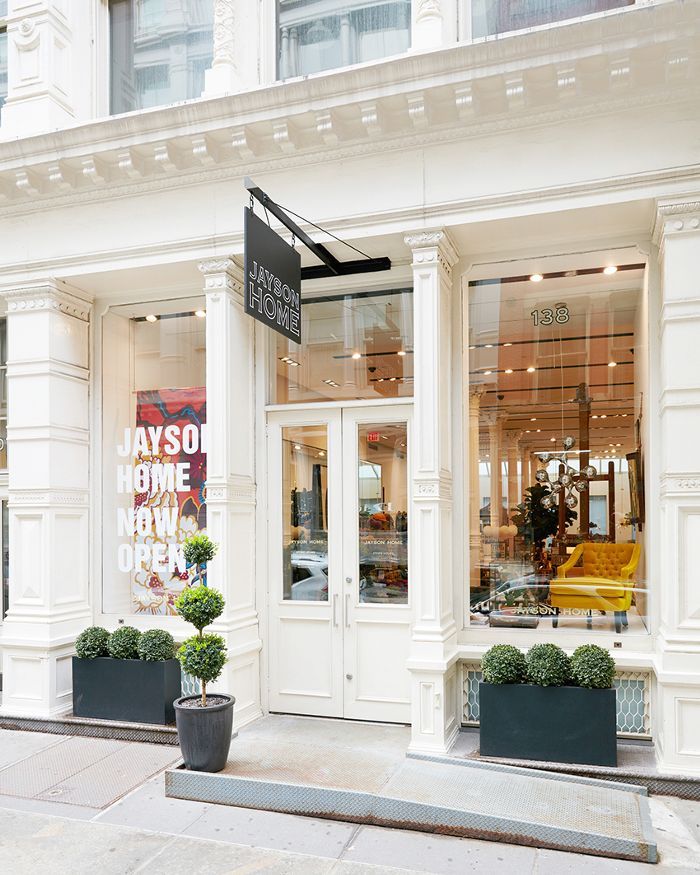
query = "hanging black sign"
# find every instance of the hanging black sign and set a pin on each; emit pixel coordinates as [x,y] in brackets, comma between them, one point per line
[272,279]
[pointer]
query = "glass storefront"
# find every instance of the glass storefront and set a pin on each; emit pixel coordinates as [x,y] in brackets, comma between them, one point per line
[557,373]
[159,51]
[154,452]
[314,36]
[354,346]
[490,17]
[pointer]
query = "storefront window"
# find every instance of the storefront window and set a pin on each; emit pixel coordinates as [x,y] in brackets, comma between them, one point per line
[499,16]
[354,346]
[3,394]
[315,37]
[159,51]
[154,453]
[3,65]
[557,372]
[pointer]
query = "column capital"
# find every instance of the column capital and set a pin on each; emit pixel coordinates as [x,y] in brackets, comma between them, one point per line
[678,215]
[435,245]
[49,295]
[220,274]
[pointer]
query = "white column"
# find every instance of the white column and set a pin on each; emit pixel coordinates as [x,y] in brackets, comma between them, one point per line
[49,76]
[475,396]
[434,694]
[236,39]
[496,499]
[434,24]
[511,441]
[231,487]
[48,442]
[525,469]
[675,529]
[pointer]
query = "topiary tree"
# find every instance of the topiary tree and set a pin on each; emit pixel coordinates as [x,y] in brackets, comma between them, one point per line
[124,643]
[548,666]
[92,643]
[202,656]
[503,664]
[156,645]
[592,667]
[198,550]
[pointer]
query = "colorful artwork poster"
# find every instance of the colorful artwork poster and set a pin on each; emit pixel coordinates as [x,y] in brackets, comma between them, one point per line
[168,480]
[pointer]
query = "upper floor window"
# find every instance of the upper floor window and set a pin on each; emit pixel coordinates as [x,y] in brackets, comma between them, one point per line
[337,33]
[3,54]
[490,17]
[159,51]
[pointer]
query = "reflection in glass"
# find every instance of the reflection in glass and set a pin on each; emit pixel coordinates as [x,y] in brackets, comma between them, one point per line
[343,33]
[383,513]
[3,67]
[556,375]
[305,513]
[499,16]
[355,346]
[5,559]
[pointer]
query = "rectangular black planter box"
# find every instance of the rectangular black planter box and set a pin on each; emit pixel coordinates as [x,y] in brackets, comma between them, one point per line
[131,690]
[554,724]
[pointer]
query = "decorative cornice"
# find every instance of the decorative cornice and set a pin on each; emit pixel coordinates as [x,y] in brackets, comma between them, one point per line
[26,498]
[48,296]
[432,489]
[680,484]
[432,246]
[675,217]
[220,274]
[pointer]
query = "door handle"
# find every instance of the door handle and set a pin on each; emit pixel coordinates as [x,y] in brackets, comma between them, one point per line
[335,609]
[347,610]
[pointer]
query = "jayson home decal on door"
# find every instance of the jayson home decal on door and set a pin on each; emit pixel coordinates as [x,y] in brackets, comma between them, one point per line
[272,279]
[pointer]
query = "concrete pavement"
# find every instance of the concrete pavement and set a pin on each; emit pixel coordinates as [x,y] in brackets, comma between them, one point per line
[48,827]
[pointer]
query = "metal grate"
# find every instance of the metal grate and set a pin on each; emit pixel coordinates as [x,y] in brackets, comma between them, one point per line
[190,685]
[632,700]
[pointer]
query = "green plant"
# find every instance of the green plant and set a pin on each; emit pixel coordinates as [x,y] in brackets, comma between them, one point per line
[548,666]
[592,667]
[198,550]
[536,523]
[202,656]
[503,664]
[124,643]
[92,643]
[156,645]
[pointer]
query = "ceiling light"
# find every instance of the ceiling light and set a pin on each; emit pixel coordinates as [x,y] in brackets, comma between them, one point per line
[595,416]
[297,447]
[612,364]
[507,344]
[356,355]
[539,430]
[553,440]
[603,415]
[151,318]
[392,379]
[200,314]
[527,431]
[472,347]
[610,269]
[624,415]
[509,370]
[533,419]
[618,445]
[531,370]
[488,346]
[401,352]
[486,373]
[536,278]
[322,453]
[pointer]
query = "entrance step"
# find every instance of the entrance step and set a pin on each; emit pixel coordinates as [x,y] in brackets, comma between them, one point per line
[378,785]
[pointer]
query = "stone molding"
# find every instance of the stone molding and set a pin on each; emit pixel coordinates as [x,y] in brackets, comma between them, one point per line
[676,217]
[432,489]
[680,484]
[25,498]
[48,297]
[221,274]
[224,34]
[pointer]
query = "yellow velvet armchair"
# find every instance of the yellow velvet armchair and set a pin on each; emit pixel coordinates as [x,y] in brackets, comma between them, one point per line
[597,576]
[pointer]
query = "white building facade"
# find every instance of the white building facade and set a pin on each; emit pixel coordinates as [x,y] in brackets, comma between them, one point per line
[384,494]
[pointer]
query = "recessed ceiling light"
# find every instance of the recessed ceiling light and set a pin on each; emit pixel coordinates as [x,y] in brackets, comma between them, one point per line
[595,416]
[553,440]
[603,415]
[507,344]
[612,364]
[531,370]
[533,419]
[486,373]
[151,318]
[200,314]
[536,278]
[297,447]
[392,379]
[472,347]
[618,445]
[509,370]
[401,352]
[527,431]
[488,346]
[539,430]
[322,453]
[610,269]
[356,355]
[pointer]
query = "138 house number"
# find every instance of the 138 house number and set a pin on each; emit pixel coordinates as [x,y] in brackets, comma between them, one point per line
[548,316]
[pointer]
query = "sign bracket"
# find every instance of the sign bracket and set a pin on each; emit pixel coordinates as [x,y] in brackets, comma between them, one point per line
[331,265]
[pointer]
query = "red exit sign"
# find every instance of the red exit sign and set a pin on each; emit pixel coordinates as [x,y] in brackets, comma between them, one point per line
[372,437]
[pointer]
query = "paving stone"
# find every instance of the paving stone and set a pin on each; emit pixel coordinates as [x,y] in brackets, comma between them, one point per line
[148,808]
[16,745]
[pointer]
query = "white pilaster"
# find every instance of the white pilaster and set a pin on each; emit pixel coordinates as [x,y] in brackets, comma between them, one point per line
[236,37]
[432,662]
[231,487]
[678,643]
[434,24]
[49,66]
[48,444]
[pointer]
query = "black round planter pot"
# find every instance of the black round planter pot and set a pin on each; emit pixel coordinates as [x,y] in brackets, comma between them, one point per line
[204,733]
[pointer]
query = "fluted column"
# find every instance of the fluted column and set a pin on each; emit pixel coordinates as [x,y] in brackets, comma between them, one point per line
[433,674]
[511,445]
[49,464]
[496,500]
[673,497]
[231,485]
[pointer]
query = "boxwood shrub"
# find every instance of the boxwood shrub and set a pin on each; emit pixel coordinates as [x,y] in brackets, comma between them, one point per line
[503,664]
[592,667]
[92,642]
[156,645]
[124,643]
[548,666]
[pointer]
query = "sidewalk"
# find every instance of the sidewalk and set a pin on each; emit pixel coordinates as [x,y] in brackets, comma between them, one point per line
[65,821]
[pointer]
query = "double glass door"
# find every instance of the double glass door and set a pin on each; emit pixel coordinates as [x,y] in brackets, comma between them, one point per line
[339,562]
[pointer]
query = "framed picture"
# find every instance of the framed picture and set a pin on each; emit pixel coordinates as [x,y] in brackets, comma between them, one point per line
[636,479]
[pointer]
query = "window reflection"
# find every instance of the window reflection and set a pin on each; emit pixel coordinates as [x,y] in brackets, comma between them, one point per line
[383,513]
[305,514]
[499,16]
[3,66]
